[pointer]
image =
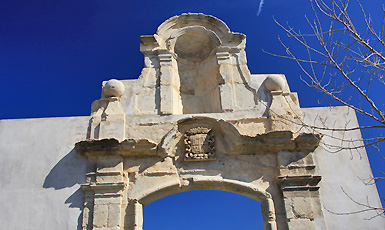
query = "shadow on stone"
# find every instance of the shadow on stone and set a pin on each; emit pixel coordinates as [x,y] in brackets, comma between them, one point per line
[264,96]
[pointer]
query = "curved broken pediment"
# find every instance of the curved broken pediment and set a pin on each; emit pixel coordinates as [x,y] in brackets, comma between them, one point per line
[228,140]
[199,66]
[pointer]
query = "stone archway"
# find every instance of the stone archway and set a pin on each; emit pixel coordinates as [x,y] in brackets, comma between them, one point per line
[168,133]
[241,188]
[204,210]
[125,175]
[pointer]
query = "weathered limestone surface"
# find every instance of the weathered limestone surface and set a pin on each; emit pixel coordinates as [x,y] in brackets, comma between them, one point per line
[194,119]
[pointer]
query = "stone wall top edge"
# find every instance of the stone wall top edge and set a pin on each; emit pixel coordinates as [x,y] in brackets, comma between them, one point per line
[339,107]
[44,118]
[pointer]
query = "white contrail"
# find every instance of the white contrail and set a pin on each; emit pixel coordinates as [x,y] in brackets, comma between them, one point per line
[260,7]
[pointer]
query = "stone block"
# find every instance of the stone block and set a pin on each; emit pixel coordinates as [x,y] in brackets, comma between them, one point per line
[299,208]
[112,178]
[227,97]
[113,129]
[110,164]
[100,215]
[107,200]
[301,224]
[169,77]
[146,101]
[114,215]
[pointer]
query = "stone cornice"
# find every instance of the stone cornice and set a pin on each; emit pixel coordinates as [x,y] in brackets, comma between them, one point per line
[268,142]
[276,141]
[111,146]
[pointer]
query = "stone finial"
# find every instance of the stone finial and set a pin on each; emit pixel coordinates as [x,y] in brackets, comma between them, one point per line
[113,88]
[274,83]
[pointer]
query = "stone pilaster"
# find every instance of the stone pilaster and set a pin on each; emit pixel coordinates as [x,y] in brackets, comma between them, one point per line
[170,101]
[134,215]
[103,203]
[299,184]
[112,120]
[225,69]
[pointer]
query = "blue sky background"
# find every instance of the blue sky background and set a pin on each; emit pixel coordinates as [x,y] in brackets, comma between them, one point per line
[54,56]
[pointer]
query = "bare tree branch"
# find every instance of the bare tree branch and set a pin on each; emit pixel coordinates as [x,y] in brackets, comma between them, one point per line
[344,59]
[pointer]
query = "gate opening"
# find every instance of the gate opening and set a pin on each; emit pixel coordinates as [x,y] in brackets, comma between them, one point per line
[203,210]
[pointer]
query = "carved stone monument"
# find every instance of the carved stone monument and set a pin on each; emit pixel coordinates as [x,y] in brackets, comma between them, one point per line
[198,119]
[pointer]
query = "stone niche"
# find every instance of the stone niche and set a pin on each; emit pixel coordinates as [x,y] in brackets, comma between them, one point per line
[198,72]
[197,119]
[200,67]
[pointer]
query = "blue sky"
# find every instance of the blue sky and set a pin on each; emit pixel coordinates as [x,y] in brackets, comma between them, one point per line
[54,55]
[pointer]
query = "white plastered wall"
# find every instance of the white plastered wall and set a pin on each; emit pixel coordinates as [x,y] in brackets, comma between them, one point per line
[344,172]
[40,173]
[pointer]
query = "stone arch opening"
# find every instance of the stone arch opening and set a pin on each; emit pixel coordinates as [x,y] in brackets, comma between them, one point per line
[203,209]
[162,190]
[198,71]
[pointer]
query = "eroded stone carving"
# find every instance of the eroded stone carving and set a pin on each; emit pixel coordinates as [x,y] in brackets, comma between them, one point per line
[200,144]
[113,88]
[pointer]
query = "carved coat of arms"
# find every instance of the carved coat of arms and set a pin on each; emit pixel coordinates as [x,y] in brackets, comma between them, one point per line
[200,144]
